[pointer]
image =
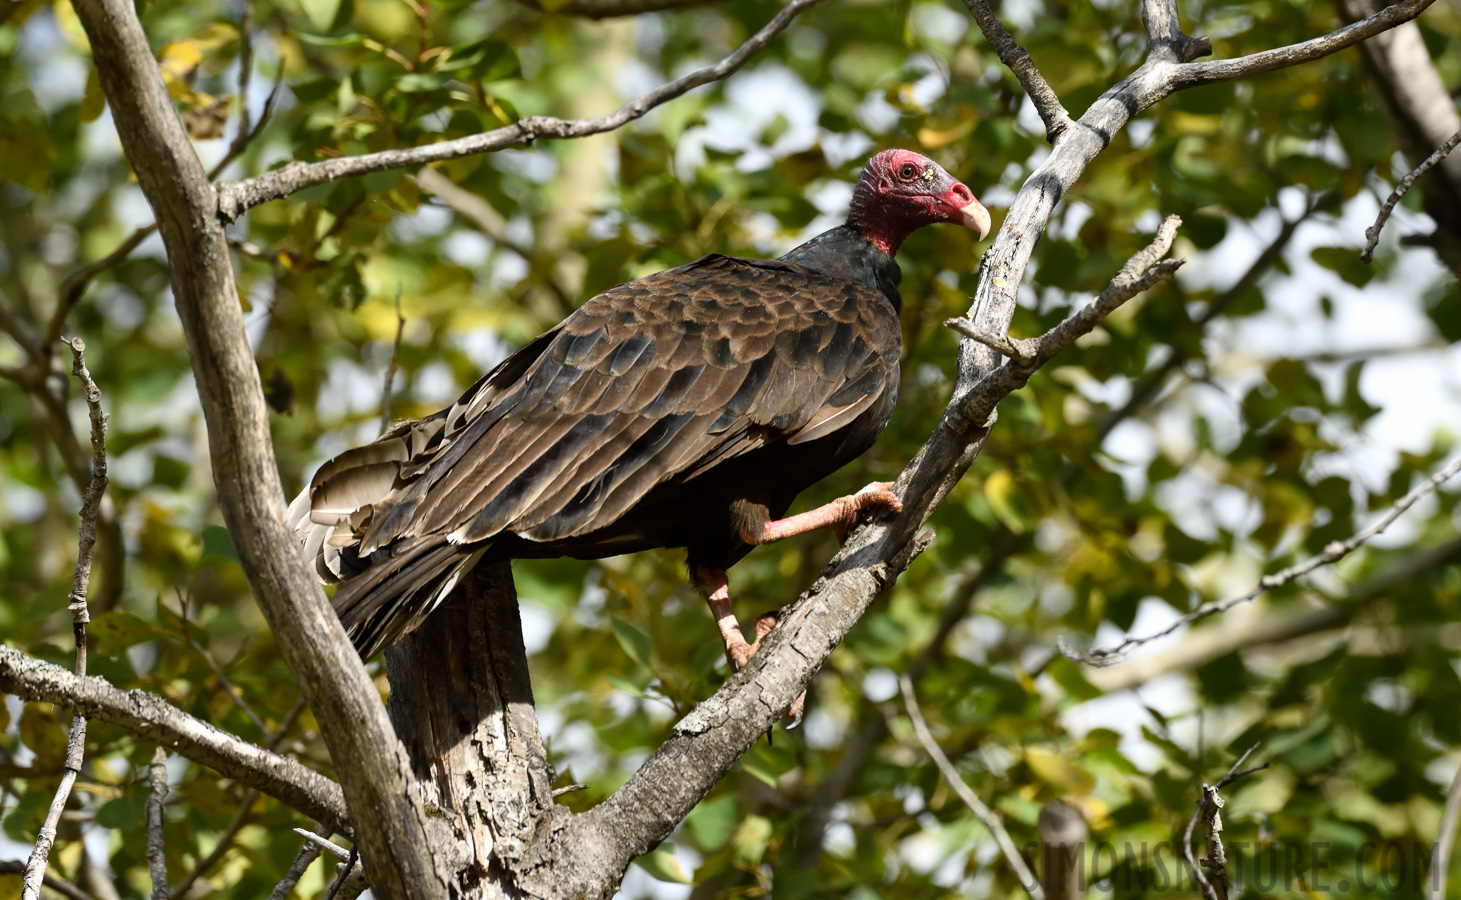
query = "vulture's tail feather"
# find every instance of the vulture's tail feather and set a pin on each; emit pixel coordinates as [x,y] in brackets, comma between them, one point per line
[388,600]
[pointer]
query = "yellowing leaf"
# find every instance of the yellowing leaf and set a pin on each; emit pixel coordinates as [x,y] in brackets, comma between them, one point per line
[1058,772]
[749,842]
[93,101]
[40,731]
[663,866]
[178,62]
[948,132]
[1000,491]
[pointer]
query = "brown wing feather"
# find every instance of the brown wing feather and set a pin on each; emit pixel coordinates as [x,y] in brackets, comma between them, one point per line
[658,380]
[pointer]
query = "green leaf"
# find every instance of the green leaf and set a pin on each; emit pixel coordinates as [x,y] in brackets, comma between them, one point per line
[115,631]
[326,15]
[627,687]
[217,545]
[712,822]
[125,812]
[662,866]
[634,640]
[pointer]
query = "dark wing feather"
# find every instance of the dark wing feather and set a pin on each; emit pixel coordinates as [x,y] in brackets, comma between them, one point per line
[650,382]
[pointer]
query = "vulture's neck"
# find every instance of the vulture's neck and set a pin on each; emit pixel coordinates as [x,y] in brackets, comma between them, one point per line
[846,253]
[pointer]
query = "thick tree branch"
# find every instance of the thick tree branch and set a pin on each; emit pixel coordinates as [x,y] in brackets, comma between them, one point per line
[237,196]
[1017,59]
[980,809]
[391,825]
[1372,234]
[1337,550]
[35,868]
[153,718]
[1198,73]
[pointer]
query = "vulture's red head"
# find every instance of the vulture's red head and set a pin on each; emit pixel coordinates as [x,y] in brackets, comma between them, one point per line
[901,191]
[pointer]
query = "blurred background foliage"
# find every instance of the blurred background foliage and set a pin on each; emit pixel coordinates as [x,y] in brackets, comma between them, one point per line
[1271,400]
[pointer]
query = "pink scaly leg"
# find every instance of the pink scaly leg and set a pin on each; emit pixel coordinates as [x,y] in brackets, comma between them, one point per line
[840,515]
[717,594]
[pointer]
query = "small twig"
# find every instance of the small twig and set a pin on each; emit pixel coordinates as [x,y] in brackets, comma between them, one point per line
[1017,59]
[1335,551]
[35,868]
[1372,234]
[156,853]
[981,811]
[323,842]
[385,404]
[568,789]
[55,883]
[1445,841]
[1207,810]
[346,870]
[302,861]
[1140,272]
[236,197]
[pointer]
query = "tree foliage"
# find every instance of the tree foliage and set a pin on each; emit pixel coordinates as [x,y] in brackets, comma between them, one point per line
[1222,426]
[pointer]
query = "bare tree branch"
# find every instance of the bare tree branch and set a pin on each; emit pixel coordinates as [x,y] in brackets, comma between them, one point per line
[1207,810]
[392,828]
[1445,841]
[153,718]
[156,800]
[1421,114]
[1372,234]
[302,861]
[1209,644]
[237,196]
[1165,40]
[980,809]
[1017,59]
[54,882]
[1198,73]
[35,868]
[1337,550]
[1139,273]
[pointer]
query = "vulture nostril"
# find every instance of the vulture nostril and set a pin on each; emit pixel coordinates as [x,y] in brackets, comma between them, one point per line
[962,192]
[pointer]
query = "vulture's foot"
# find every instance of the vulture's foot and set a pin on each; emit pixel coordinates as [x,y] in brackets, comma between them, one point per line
[839,515]
[738,651]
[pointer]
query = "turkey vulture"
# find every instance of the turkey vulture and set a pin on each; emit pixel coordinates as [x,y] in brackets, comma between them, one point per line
[685,409]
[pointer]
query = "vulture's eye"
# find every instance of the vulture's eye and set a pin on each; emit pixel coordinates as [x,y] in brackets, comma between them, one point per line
[907,172]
